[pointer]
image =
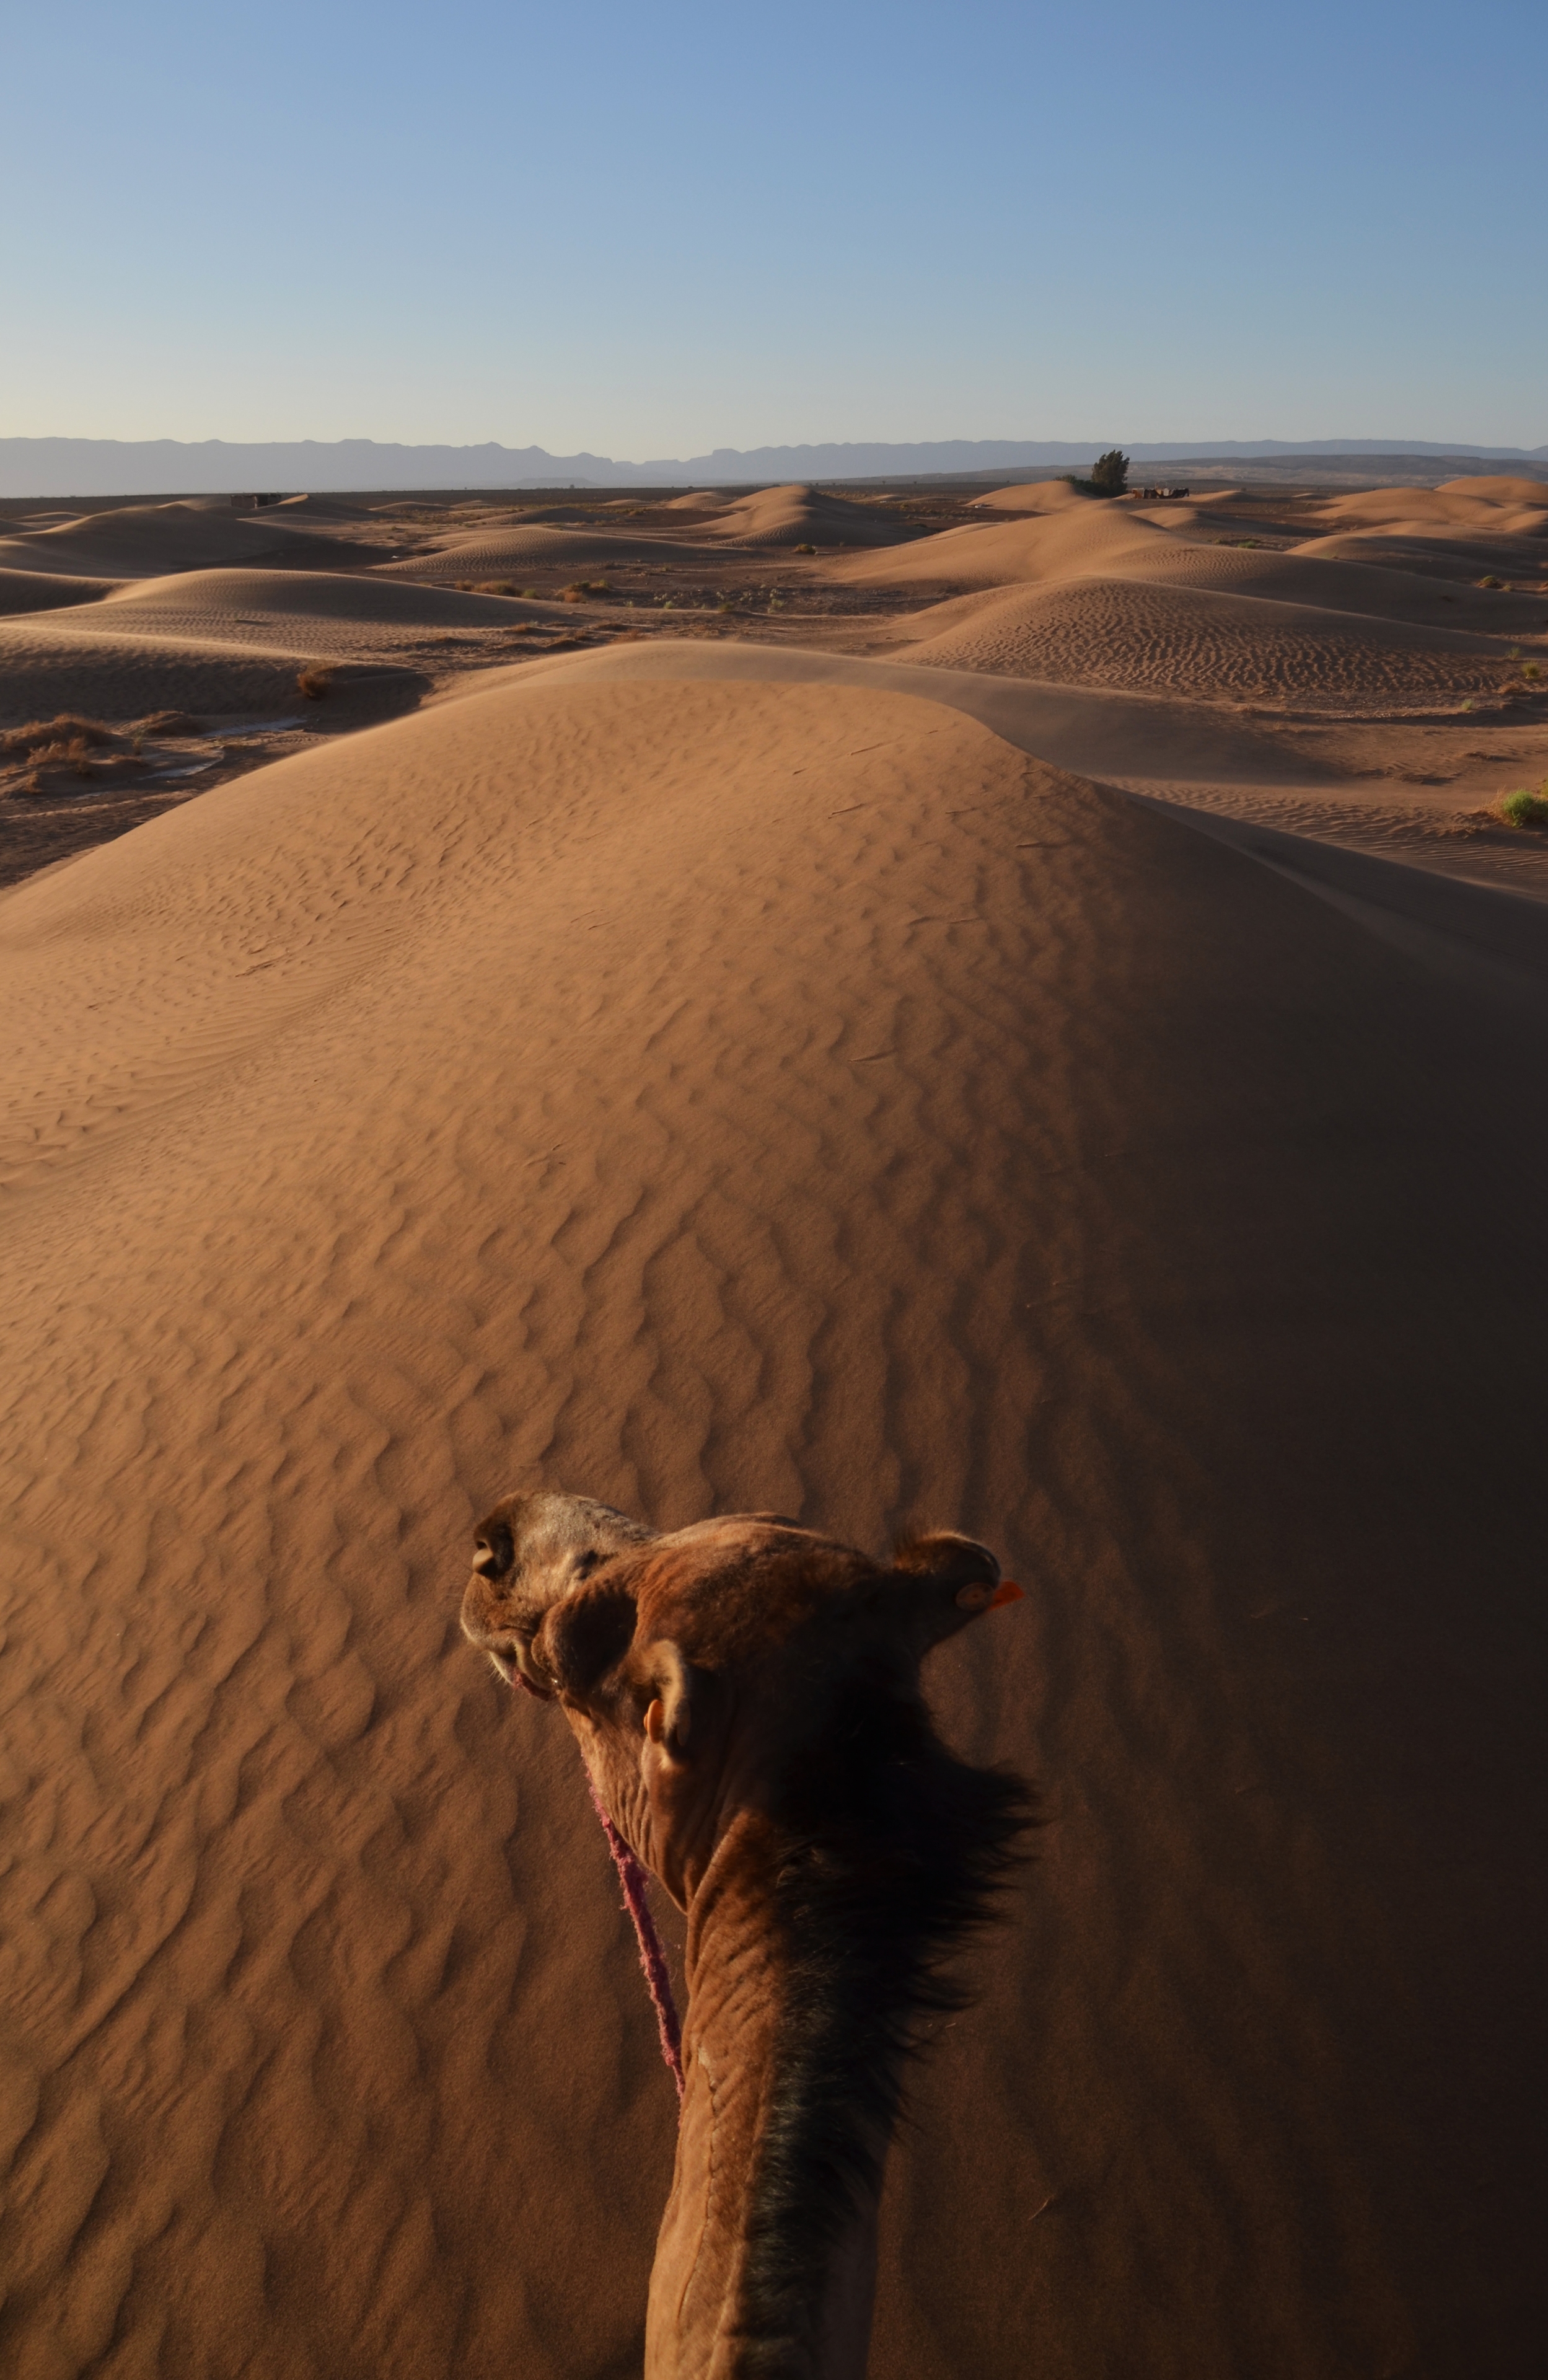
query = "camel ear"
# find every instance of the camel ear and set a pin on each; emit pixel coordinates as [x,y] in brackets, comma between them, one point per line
[675,1715]
[940,1582]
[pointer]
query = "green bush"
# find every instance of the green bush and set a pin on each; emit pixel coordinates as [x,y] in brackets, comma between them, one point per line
[1109,476]
[1522,808]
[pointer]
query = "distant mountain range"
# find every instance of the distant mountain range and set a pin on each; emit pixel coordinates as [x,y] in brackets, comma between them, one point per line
[167,467]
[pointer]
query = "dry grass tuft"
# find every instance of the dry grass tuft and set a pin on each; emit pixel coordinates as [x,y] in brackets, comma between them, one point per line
[315,682]
[75,754]
[166,722]
[65,730]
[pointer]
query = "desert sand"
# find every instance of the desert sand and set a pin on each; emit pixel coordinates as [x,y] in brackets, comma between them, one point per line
[1057,1057]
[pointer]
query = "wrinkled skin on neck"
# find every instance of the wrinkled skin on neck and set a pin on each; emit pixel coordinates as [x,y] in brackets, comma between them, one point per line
[719,1680]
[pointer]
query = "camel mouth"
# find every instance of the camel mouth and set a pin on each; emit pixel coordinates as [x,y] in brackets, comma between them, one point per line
[512,1659]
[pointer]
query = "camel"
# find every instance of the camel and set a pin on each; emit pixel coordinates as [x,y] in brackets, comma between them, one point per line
[745,1696]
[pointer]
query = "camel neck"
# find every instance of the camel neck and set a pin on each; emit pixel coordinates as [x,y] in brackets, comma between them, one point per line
[764,2270]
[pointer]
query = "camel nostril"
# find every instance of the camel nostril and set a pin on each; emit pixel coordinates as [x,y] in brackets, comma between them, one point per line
[494,1552]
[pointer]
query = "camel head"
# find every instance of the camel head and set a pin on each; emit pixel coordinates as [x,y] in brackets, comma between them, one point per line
[710,1669]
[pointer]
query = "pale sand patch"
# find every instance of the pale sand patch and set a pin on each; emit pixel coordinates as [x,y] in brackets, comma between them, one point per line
[715,1094]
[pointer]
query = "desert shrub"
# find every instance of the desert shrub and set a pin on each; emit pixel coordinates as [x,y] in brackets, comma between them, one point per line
[74,754]
[1491,582]
[1531,669]
[64,729]
[495,586]
[1524,808]
[1109,475]
[805,549]
[315,682]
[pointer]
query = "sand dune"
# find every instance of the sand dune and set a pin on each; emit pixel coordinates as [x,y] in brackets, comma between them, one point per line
[1305,575]
[44,671]
[1511,508]
[1529,495]
[1090,730]
[1086,536]
[500,554]
[1055,532]
[1463,555]
[860,1118]
[43,590]
[1040,496]
[803,516]
[146,541]
[225,641]
[1201,641]
[314,614]
[327,509]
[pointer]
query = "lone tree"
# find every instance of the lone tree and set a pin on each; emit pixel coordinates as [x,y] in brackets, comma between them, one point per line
[1110,473]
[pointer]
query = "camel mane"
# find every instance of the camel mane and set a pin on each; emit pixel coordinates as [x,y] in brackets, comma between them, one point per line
[888,1851]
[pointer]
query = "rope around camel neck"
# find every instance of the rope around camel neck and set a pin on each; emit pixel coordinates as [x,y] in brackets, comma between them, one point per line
[653,1959]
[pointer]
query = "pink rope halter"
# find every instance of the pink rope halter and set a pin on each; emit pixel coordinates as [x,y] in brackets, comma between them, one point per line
[653,1959]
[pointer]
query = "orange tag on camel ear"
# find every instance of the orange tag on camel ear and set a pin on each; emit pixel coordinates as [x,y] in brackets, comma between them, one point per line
[1006,1591]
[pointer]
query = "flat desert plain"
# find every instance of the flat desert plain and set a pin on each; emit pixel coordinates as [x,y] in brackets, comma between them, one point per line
[1020,1015]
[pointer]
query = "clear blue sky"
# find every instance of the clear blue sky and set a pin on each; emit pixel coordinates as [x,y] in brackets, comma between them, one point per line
[650,230]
